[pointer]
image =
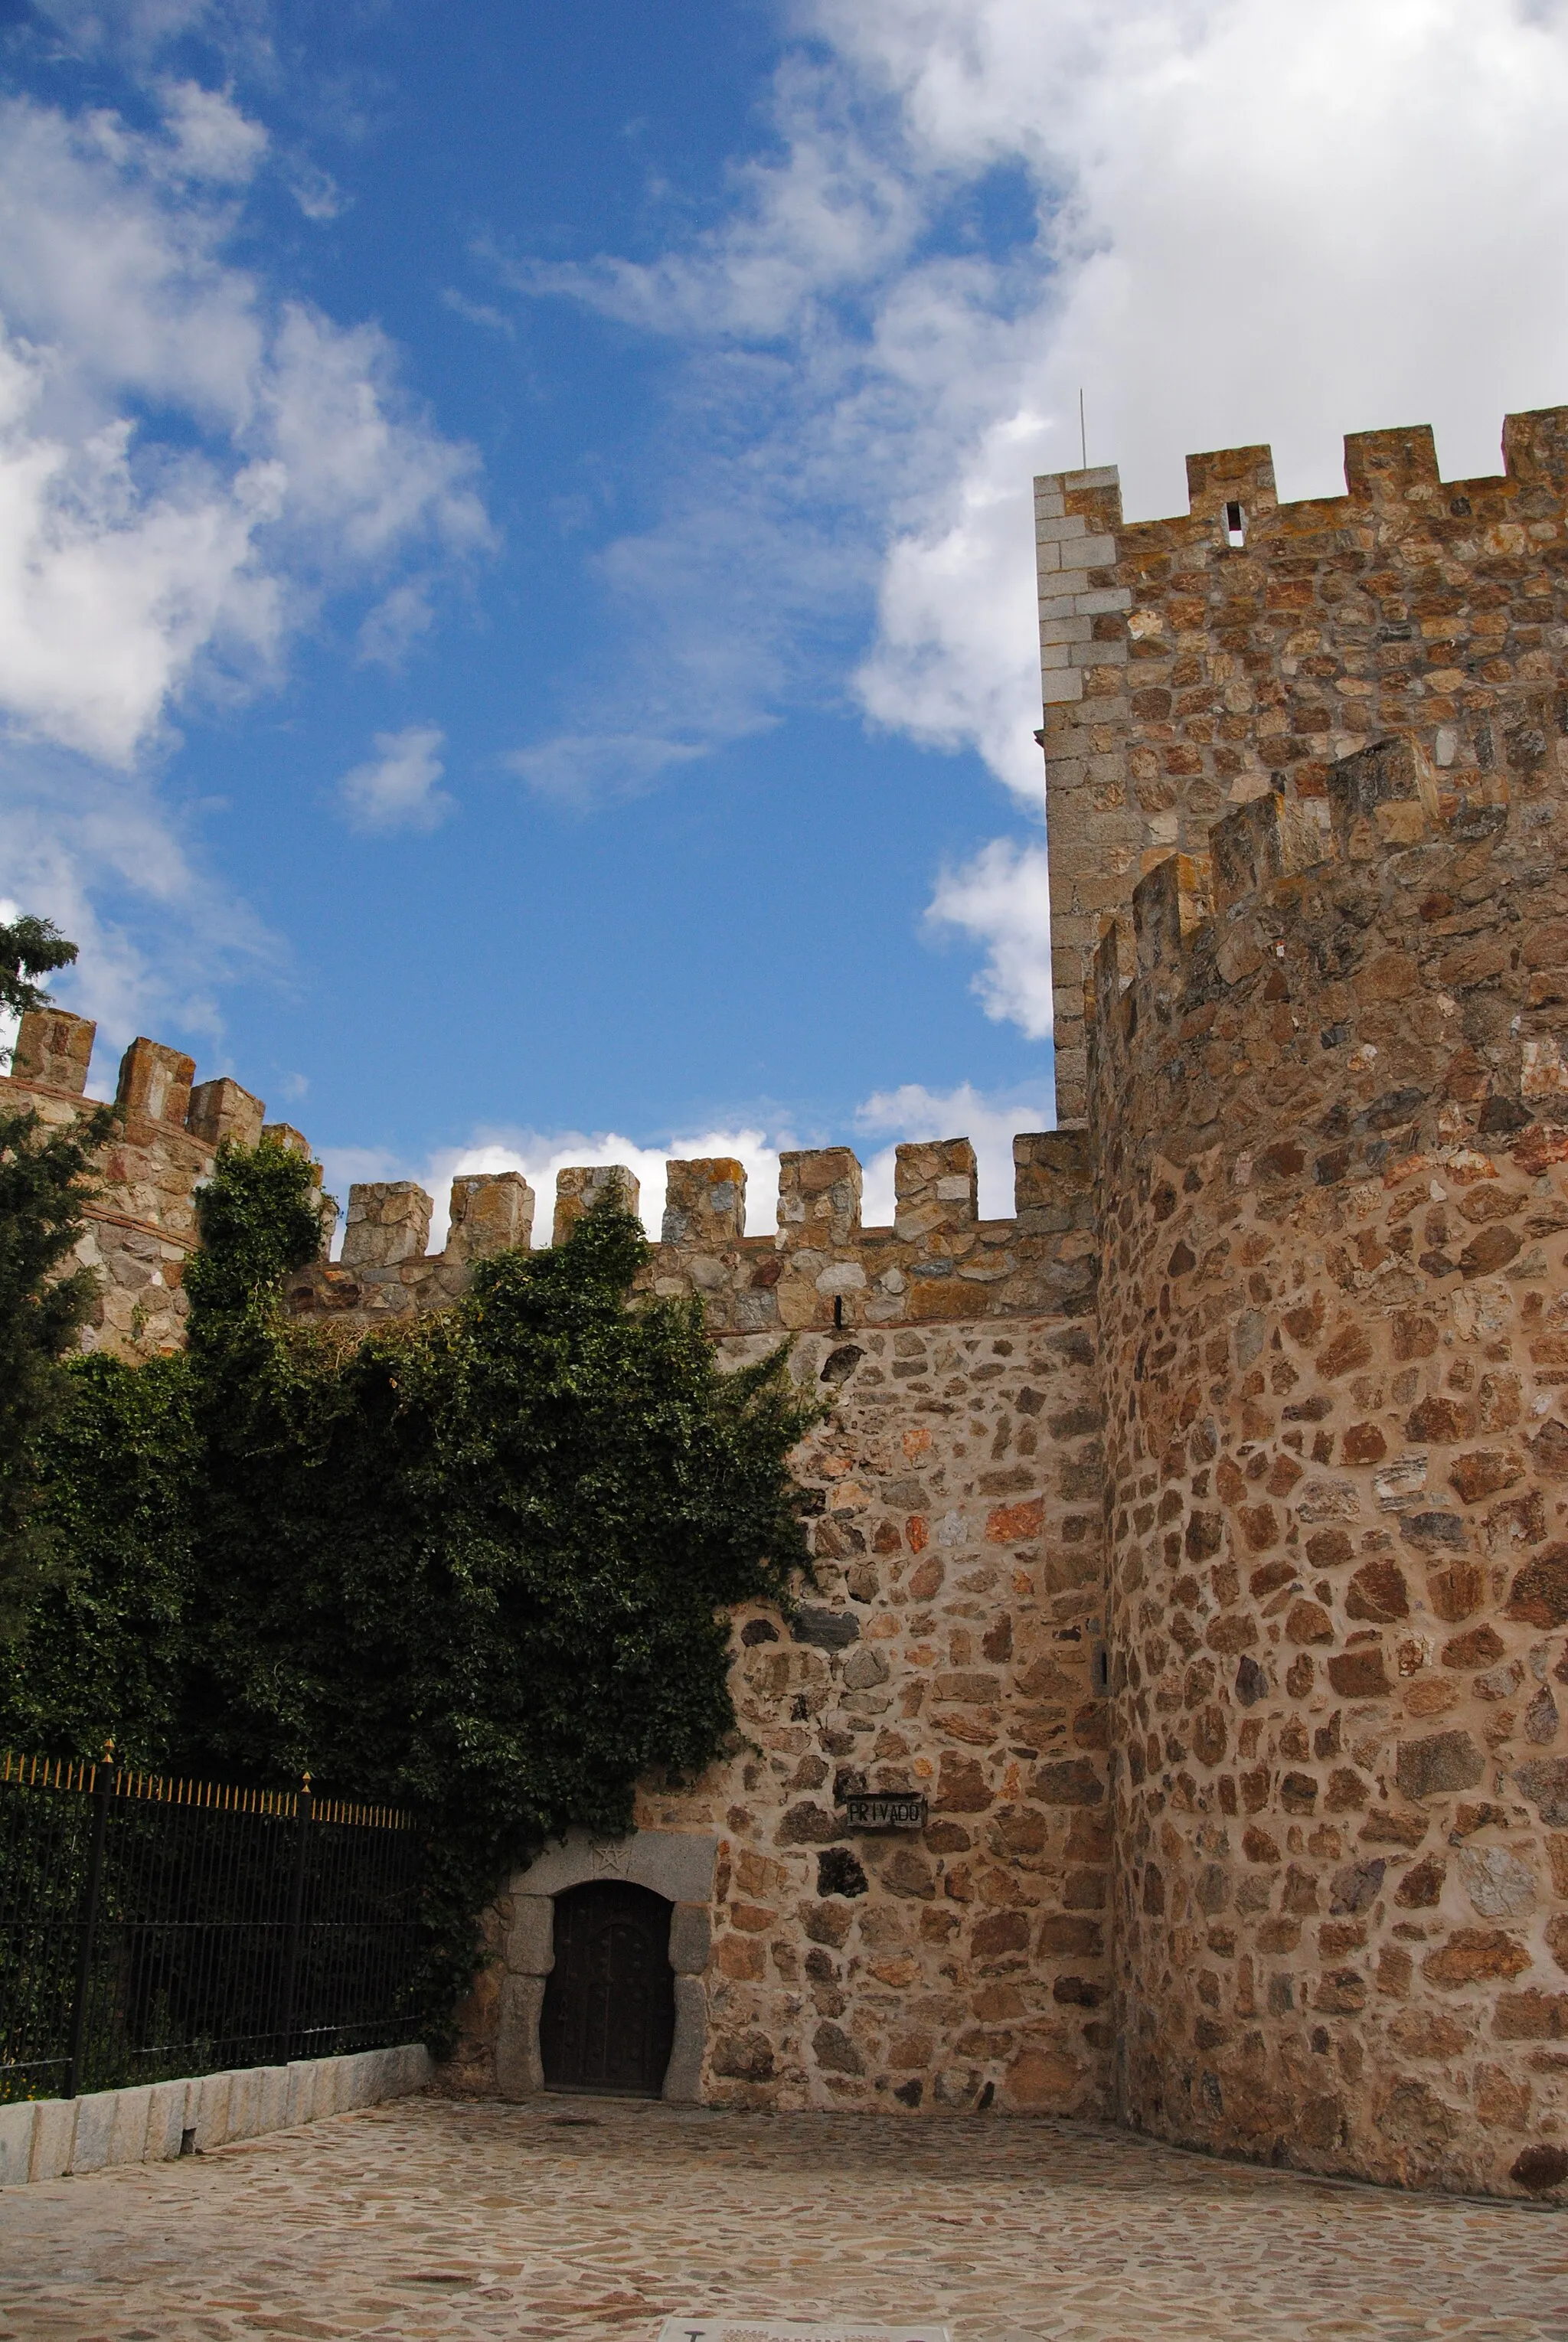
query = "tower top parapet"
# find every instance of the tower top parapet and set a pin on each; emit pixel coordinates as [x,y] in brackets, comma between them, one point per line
[1191,663]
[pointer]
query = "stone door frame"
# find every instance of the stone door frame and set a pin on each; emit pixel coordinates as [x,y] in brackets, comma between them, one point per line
[670,1862]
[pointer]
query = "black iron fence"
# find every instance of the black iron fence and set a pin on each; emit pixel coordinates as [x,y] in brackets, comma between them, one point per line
[151,1929]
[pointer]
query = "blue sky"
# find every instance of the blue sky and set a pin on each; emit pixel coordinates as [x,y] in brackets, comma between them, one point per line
[516,601]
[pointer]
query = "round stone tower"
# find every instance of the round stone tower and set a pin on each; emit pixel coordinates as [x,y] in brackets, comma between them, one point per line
[1329,1121]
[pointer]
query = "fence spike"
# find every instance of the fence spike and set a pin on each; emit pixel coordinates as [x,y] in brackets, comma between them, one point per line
[82,1774]
[339,1867]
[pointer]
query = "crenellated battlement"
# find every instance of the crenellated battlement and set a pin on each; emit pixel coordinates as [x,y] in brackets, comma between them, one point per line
[142,1224]
[1394,468]
[939,1261]
[1248,646]
[1287,906]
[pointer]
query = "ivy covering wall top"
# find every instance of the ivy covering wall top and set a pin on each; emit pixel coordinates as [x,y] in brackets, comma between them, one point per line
[478,1565]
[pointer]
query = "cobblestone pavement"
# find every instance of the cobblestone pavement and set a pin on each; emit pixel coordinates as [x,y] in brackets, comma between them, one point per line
[580,2217]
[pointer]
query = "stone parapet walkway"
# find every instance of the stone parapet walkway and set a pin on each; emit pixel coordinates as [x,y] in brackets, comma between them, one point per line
[580,2217]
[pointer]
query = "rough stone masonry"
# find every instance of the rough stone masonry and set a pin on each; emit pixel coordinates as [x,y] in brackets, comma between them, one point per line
[1193,1540]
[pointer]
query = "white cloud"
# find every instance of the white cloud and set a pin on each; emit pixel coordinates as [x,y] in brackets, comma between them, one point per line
[389,631]
[397,790]
[362,480]
[108,591]
[138,26]
[540,1154]
[211,138]
[113,273]
[989,1120]
[317,191]
[956,661]
[1003,898]
[1231,221]
[578,765]
[826,213]
[189,466]
[912,1112]
[311,469]
[1225,193]
[479,313]
[236,38]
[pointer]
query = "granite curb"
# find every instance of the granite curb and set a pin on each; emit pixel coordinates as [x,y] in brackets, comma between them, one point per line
[53,2138]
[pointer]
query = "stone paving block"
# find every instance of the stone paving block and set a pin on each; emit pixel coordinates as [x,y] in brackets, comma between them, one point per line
[684,2074]
[274,2098]
[17,2124]
[301,2102]
[244,2102]
[166,2105]
[519,2072]
[94,2130]
[53,2136]
[1051,531]
[530,1946]
[209,2111]
[581,2219]
[148,2124]
[380,2077]
[128,2132]
[691,1939]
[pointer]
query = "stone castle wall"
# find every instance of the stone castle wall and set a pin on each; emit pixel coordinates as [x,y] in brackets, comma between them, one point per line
[1189,664]
[1332,1112]
[1195,1541]
[952,1645]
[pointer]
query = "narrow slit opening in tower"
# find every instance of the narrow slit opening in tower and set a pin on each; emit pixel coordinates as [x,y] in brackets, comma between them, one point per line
[1235,525]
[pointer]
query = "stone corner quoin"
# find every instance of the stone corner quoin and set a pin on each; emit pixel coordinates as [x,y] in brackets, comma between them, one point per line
[1193,1542]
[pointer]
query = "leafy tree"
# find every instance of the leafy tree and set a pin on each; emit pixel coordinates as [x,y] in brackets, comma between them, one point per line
[260,1215]
[477,1564]
[480,1564]
[44,1182]
[29,947]
[105,1646]
[43,1185]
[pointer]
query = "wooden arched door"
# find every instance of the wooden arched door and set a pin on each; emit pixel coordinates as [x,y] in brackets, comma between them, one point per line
[609,2013]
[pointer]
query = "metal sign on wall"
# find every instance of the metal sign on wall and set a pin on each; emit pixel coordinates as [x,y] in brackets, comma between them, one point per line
[891,1810]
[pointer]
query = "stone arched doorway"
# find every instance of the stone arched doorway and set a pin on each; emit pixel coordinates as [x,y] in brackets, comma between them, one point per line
[677,1870]
[608,2021]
